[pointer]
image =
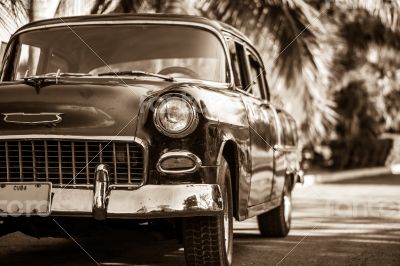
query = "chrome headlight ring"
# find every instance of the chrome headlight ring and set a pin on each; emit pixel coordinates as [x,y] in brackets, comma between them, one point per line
[175,110]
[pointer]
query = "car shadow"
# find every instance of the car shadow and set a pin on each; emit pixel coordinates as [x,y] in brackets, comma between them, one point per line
[112,247]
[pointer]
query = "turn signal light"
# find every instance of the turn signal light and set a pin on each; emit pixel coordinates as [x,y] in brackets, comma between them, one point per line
[178,162]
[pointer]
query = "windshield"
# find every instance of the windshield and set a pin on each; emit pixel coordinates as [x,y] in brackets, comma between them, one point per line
[171,50]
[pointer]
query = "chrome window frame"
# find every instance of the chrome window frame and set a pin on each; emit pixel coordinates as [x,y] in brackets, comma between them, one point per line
[217,33]
[248,46]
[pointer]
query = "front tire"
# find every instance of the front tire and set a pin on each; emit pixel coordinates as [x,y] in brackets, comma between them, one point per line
[209,240]
[277,222]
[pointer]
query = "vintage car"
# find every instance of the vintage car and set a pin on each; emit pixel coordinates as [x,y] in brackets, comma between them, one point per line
[142,118]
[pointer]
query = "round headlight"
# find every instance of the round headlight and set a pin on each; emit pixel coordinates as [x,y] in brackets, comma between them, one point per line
[175,116]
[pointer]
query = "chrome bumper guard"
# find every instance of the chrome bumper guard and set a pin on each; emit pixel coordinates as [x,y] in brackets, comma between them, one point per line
[148,201]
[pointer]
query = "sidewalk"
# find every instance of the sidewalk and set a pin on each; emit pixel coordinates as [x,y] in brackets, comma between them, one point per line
[334,176]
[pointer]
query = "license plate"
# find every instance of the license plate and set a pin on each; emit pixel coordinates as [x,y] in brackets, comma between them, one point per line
[25,198]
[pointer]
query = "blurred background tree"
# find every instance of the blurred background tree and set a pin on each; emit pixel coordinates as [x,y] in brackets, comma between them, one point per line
[333,64]
[13,14]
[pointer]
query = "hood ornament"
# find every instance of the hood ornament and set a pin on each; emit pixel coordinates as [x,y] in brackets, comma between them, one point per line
[33,118]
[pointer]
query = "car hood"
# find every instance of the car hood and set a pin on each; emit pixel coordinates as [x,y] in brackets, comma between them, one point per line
[87,108]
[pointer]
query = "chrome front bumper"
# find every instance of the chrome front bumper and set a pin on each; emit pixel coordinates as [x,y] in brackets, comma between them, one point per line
[148,201]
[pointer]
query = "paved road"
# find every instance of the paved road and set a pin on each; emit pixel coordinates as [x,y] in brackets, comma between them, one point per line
[349,223]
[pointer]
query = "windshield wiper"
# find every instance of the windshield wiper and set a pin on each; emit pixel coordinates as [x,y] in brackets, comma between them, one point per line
[136,73]
[61,74]
[40,80]
[50,76]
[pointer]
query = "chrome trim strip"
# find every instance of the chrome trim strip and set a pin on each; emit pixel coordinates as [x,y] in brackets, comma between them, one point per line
[33,161]
[121,22]
[115,164]
[263,207]
[174,154]
[7,161]
[46,161]
[216,32]
[186,81]
[90,186]
[87,163]
[72,137]
[128,158]
[20,161]
[231,34]
[57,119]
[210,83]
[100,152]
[73,162]
[60,174]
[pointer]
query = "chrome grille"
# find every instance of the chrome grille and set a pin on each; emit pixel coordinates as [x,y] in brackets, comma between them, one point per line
[70,161]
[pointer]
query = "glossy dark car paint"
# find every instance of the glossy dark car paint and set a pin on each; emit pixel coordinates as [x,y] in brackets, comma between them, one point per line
[231,123]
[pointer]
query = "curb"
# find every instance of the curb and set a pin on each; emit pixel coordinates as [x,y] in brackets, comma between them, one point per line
[327,177]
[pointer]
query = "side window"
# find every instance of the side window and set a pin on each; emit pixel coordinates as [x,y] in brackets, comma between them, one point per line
[235,61]
[247,70]
[272,129]
[282,119]
[288,133]
[256,87]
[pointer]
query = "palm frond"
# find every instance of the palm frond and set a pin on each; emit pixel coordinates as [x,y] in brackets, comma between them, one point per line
[124,6]
[293,40]
[13,14]
[387,11]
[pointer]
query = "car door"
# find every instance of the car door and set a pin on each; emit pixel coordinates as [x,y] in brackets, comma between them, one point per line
[292,155]
[272,137]
[279,156]
[254,97]
[285,152]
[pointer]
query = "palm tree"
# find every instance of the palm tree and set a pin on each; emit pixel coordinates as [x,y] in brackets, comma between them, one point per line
[299,40]
[13,14]
[293,40]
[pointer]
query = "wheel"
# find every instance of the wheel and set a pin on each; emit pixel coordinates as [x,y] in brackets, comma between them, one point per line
[179,70]
[209,240]
[277,222]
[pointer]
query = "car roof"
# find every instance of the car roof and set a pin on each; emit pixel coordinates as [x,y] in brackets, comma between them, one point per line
[217,25]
